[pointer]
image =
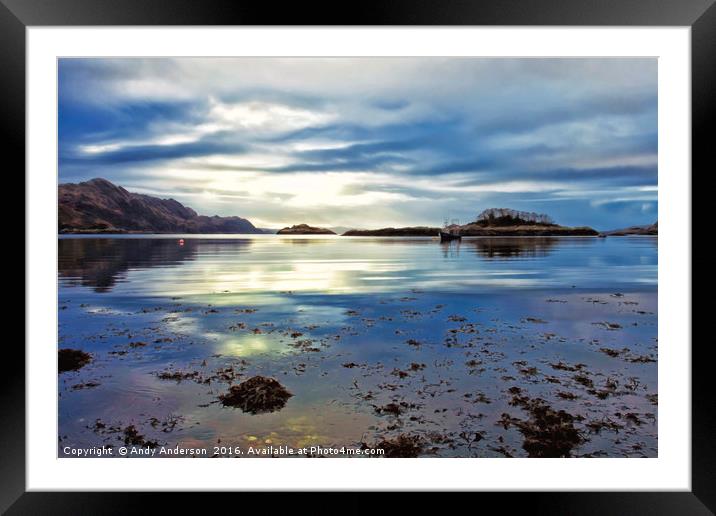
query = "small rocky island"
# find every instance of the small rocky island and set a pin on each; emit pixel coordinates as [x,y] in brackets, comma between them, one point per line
[507,222]
[304,229]
[491,222]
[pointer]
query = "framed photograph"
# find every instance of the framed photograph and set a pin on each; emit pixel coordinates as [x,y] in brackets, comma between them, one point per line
[446,248]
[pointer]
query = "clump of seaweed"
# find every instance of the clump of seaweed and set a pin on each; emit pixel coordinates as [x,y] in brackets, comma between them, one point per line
[257,395]
[608,325]
[133,437]
[614,353]
[641,359]
[399,373]
[178,376]
[610,387]
[394,408]
[562,366]
[567,395]
[478,397]
[626,354]
[584,380]
[304,345]
[72,360]
[402,446]
[605,423]
[84,385]
[534,320]
[547,432]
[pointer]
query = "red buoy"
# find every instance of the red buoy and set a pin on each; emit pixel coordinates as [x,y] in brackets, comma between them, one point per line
[181,241]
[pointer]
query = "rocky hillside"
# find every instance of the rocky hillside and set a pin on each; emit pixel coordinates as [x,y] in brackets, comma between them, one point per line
[98,206]
[304,229]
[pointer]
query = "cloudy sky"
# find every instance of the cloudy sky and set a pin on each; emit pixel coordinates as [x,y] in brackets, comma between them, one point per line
[368,142]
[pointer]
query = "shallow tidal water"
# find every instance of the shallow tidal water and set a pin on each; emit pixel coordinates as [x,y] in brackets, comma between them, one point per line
[470,348]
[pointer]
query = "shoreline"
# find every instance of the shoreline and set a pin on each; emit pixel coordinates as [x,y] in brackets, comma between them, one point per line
[326,236]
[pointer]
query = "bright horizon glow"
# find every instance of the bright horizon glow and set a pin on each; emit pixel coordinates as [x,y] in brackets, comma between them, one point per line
[369,142]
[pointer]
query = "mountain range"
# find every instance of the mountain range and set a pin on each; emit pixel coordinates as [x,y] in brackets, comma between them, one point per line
[99,206]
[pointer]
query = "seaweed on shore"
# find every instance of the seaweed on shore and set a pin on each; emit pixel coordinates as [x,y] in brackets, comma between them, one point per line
[84,385]
[177,375]
[134,438]
[402,446]
[547,432]
[72,360]
[257,395]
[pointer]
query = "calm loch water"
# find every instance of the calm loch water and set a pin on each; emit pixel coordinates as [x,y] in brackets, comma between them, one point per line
[448,344]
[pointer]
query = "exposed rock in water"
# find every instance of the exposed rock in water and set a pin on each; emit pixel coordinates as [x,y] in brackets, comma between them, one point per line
[257,395]
[98,206]
[304,229]
[72,360]
[651,229]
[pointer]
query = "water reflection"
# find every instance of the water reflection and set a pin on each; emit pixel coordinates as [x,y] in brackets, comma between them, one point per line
[509,248]
[450,249]
[101,262]
[271,264]
[330,319]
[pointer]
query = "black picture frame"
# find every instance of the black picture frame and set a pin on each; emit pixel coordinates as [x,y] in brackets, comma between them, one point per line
[17,15]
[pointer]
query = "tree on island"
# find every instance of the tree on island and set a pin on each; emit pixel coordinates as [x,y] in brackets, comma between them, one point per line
[508,217]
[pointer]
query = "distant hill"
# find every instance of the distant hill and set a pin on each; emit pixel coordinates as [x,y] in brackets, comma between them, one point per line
[411,231]
[339,230]
[304,229]
[651,229]
[99,206]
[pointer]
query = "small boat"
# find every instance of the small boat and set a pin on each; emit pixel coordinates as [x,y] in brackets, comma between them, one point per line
[450,230]
[447,237]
